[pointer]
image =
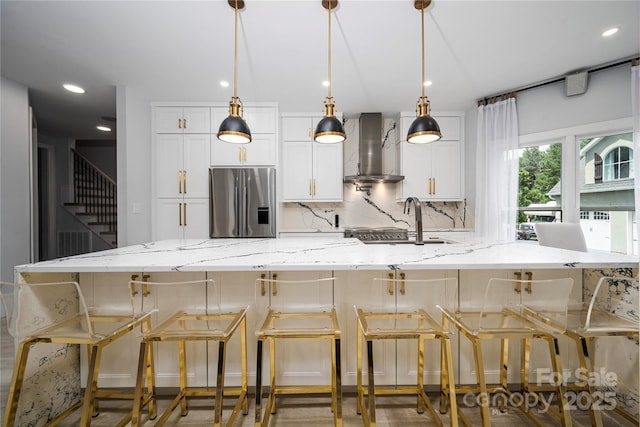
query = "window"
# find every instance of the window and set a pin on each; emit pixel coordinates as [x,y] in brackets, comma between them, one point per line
[618,164]
[539,190]
[600,197]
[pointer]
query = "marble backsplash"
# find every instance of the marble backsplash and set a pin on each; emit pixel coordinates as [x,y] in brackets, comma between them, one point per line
[378,207]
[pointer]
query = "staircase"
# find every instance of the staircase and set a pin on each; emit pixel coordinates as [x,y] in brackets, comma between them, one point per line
[94,199]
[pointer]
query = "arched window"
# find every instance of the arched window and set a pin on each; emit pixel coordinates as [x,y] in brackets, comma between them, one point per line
[618,164]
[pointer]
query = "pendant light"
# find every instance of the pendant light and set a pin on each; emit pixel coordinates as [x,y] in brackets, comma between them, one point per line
[424,128]
[234,129]
[329,129]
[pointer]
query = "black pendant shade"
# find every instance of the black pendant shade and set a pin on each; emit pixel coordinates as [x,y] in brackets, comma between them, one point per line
[329,131]
[424,130]
[234,129]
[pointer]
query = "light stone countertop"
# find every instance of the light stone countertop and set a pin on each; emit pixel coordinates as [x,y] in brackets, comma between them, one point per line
[307,253]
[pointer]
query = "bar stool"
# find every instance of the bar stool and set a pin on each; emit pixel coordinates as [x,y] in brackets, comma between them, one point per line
[587,322]
[409,320]
[201,317]
[298,310]
[56,312]
[501,316]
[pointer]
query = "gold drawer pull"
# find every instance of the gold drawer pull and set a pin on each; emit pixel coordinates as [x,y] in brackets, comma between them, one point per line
[391,284]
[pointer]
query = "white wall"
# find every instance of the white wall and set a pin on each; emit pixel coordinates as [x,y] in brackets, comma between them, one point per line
[14,177]
[133,114]
[608,97]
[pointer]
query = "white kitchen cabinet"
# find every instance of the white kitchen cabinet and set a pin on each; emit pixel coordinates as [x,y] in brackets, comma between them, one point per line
[182,165]
[395,360]
[433,172]
[182,120]
[182,218]
[472,285]
[119,360]
[310,171]
[261,151]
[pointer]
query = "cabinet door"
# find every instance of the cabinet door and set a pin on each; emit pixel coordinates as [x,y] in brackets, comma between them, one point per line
[261,151]
[168,119]
[297,162]
[196,120]
[196,151]
[416,168]
[355,288]
[169,301]
[169,219]
[421,294]
[327,172]
[195,218]
[446,171]
[297,129]
[302,361]
[225,153]
[169,165]
[118,366]
[261,119]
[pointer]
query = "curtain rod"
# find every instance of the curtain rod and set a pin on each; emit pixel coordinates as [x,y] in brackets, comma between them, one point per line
[512,93]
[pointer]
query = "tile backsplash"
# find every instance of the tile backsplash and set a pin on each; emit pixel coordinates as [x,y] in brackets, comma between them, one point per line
[378,208]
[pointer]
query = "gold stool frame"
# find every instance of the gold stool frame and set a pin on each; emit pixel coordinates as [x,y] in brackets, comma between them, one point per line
[270,333]
[528,329]
[83,323]
[581,329]
[163,333]
[427,328]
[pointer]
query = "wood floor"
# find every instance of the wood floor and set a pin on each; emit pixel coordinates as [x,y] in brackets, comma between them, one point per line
[294,411]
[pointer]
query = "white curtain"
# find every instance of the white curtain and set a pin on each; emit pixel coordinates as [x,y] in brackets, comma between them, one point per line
[635,109]
[497,171]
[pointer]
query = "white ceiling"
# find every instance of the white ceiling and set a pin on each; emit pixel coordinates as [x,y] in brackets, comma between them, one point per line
[180,50]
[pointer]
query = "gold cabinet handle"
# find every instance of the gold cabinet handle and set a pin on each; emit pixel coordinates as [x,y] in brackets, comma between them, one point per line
[145,286]
[402,285]
[244,154]
[311,187]
[180,182]
[184,208]
[518,275]
[134,277]
[429,186]
[434,186]
[274,285]
[180,214]
[309,132]
[263,289]
[240,154]
[184,182]
[529,278]
[314,186]
[184,123]
[391,284]
[179,123]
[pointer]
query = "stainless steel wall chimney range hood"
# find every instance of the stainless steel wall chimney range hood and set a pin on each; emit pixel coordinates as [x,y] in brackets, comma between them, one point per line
[370,153]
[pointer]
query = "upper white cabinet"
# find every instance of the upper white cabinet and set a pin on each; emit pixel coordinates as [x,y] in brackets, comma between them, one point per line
[433,172]
[182,165]
[310,171]
[182,120]
[261,151]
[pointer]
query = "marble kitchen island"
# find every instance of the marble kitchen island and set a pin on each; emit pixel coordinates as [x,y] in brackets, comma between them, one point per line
[238,264]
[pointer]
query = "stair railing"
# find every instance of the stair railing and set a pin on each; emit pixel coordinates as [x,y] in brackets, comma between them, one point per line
[94,190]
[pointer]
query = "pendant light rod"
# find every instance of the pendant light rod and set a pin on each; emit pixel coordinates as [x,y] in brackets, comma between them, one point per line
[329,129]
[235,54]
[422,82]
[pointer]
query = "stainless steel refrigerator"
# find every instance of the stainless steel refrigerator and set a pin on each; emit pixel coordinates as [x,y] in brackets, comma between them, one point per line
[242,202]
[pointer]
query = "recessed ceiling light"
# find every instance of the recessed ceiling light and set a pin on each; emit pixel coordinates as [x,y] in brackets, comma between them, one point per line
[103,128]
[73,88]
[326,83]
[428,83]
[610,32]
[224,83]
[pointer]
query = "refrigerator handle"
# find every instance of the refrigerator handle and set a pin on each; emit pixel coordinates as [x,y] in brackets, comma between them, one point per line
[236,204]
[245,205]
